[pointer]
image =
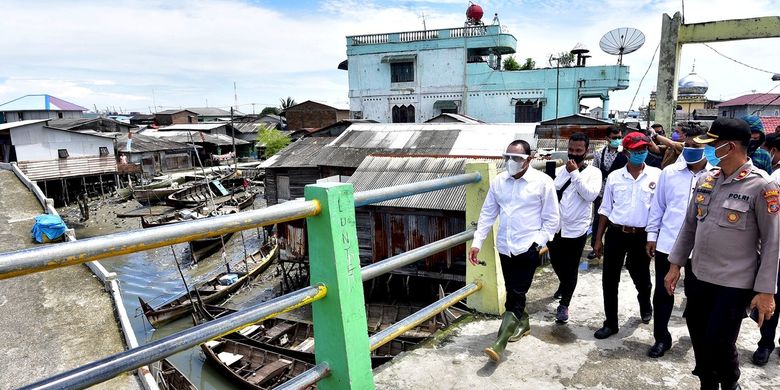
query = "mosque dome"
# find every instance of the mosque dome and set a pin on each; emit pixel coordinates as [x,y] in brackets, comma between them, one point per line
[692,84]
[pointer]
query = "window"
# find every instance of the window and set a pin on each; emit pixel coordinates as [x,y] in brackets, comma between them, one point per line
[59,115]
[20,115]
[103,151]
[403,114]
[528,112]
[62,153]
[401,72]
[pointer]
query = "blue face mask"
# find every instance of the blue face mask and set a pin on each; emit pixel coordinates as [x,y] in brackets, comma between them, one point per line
[615,143]
[693,155]
[709,154]
[637,158]
[676,136]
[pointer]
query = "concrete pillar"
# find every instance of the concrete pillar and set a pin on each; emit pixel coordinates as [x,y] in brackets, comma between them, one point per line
[668,63]
[605,108]
[491,298]
[340,317]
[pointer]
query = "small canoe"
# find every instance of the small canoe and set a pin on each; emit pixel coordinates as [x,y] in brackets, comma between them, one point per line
[169,377]
[215,290]
[293,338]
[216,191]
[154,195]
[252,367]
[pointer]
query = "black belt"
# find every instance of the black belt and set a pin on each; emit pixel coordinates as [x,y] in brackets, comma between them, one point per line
[629,229]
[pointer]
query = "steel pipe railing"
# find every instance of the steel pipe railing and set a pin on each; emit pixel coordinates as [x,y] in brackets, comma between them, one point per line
[306,378]
[392,263]
[111,366]
[364,198]
[379,339]
[60,255]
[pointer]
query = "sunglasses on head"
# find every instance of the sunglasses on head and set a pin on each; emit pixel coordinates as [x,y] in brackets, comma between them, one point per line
[518,157]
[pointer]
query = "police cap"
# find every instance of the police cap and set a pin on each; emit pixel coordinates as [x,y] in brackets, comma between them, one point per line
[728,129]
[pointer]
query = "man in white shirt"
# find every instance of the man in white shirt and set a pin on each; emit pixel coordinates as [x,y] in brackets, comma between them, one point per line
[608,159]
[577,185]
[667,212]
[525,202]
[626,206]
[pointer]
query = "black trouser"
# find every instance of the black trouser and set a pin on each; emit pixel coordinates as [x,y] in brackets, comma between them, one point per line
[518,273]
[663,303]
[596,216]
[631,247]
[714,317]
[565,254]
[769,326]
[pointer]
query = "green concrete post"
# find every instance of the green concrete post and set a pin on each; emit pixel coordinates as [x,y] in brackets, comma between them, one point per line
[340,317]
[490,299]
[668,63]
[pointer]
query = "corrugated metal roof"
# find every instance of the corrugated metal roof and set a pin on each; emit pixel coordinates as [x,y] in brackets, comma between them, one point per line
[386,171]
[209,111]
[39,103]
[194,126]
[756,99]
[142,144]
[299,154]
[197,137]
[69,124]
[11,125]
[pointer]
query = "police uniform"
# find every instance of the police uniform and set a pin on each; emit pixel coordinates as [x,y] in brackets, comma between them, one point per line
[733,229]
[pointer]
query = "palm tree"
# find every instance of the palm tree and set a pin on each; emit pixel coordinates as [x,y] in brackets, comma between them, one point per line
[286,103]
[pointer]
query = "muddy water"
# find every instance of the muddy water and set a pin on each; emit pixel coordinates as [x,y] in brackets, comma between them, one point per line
[153,276]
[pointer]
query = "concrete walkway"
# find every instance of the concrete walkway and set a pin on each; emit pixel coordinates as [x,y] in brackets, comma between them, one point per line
[49,321]
[568,356]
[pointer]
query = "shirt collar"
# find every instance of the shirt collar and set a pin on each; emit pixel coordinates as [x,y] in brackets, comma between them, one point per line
[746,167]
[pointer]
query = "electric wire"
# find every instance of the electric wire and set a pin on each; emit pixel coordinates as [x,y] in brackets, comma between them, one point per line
[650,65]
[738,61]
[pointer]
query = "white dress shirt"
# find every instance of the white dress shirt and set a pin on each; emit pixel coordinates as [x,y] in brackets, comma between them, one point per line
[627,201]
[775,176]
[528,209]
[577,201]
[670,203]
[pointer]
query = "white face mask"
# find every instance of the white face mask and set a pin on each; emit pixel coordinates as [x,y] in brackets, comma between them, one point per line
[513,167]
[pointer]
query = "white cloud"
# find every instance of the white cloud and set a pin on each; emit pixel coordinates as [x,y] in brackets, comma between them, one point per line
[134,54]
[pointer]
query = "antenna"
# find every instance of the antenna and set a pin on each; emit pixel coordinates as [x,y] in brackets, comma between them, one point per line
[620,41]
[422,16]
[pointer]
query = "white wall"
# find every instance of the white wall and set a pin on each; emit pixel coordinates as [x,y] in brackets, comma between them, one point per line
[37,143]
[12,116]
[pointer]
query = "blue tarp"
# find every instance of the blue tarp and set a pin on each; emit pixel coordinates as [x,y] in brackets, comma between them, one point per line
[48,228]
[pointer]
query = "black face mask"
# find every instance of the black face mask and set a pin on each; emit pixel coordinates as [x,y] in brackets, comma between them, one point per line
[753,145]
[577,158]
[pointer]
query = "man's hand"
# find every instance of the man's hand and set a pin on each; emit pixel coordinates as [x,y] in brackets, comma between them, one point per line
[650,248]
[598,248]
[765,303]
[671,278]
[473,256]
[571,166]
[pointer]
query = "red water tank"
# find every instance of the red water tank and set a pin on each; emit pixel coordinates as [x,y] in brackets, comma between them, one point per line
[474,12]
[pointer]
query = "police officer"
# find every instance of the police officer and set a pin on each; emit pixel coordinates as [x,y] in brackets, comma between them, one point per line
[732,227]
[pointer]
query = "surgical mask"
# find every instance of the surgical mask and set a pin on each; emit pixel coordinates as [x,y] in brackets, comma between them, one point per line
[693,155]
[637,158]
[578,158]
[709,154]
[676,136]
[615,143]
[514,167]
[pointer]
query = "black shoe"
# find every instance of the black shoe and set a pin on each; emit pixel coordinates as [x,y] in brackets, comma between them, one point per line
[647,316]
[591,255]
[761,356]
[605,332]
[557,296]
[658,349]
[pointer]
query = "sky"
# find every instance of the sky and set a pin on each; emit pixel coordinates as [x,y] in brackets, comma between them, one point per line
[129,55]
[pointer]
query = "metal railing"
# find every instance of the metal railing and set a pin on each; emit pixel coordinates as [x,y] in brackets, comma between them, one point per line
[330,209]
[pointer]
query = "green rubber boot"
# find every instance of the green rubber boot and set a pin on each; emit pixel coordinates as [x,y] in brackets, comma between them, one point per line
[509,324]
[524,329]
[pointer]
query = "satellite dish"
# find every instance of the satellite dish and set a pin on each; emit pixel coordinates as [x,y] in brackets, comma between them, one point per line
[623,40]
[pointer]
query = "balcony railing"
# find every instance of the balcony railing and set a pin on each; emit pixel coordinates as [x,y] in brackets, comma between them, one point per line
[424,35]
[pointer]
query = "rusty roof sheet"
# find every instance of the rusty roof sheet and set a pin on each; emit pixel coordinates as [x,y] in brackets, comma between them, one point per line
[380,171]
[300,154]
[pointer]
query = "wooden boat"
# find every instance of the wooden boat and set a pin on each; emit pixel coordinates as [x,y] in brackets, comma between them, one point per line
[252,367]
[215,191]
[293,338]
[380,316]
[169,377]
[212,291]
[154,195]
